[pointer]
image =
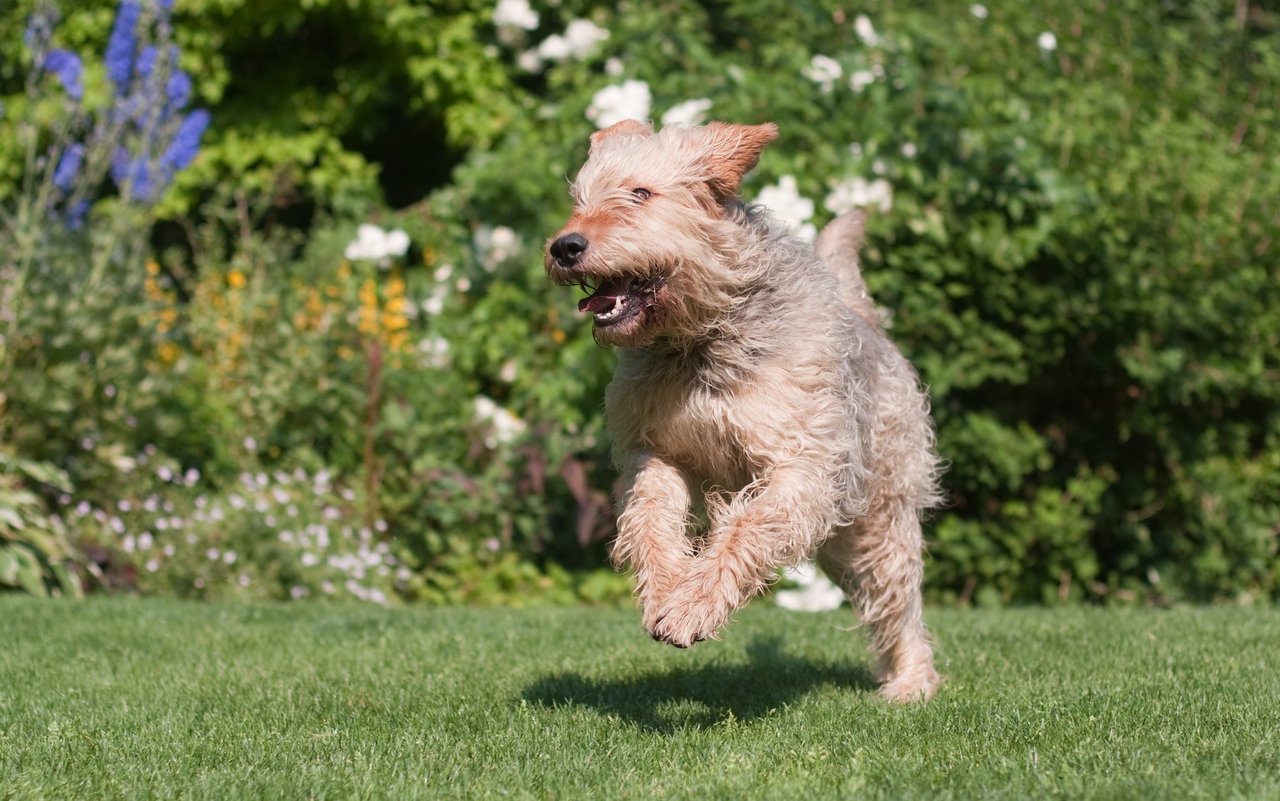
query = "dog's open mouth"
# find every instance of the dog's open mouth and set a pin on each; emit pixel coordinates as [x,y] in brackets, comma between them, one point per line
[617,300]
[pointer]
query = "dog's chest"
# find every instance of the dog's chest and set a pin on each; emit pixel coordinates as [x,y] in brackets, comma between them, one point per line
[699,426]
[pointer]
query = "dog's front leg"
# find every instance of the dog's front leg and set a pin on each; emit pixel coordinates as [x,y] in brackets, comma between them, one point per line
[769,524]
[653,530]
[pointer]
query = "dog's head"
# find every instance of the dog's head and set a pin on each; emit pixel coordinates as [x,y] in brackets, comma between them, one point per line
[651,237]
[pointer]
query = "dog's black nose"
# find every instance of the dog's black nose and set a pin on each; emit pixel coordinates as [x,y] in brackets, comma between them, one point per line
[568,248]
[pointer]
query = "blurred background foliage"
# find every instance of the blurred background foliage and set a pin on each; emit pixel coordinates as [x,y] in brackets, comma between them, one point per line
[1077,252]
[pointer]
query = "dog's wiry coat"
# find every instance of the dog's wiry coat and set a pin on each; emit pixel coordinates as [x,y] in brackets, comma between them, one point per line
[753,382]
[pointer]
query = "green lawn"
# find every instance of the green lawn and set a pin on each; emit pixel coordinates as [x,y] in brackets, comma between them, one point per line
[157,699]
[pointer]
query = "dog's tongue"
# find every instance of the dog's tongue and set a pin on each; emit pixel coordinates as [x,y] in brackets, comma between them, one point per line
[597,303]
[604,299]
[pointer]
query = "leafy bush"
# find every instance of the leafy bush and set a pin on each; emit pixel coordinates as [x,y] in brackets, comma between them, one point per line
[1077,209]
[36,554]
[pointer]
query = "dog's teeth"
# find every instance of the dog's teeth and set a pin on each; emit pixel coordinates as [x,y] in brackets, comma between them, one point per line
[619,304]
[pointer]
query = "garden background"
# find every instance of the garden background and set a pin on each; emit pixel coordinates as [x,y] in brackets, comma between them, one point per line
[215,383]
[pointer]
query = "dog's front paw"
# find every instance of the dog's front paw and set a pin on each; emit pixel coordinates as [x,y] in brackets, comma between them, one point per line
[687,617]
[680,628]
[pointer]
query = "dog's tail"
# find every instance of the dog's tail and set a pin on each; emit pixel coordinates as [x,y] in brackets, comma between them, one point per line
[838,246]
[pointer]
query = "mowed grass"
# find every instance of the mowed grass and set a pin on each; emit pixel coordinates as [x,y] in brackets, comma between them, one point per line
[117,698]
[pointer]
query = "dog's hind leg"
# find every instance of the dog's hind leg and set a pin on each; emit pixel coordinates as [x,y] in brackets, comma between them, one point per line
[878,563]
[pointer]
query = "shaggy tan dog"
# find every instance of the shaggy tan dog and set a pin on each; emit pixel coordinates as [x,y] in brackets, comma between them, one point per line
[755,391]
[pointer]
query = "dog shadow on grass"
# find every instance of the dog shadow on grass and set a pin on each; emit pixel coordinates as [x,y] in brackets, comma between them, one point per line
[668,700]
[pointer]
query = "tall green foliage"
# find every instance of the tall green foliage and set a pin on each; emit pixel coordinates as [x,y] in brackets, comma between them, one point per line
[1078,252]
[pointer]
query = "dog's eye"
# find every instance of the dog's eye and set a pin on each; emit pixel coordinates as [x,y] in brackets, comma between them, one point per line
[641,193]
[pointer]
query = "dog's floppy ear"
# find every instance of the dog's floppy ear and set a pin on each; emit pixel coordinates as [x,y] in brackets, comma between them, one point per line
[625,128]
[731,152]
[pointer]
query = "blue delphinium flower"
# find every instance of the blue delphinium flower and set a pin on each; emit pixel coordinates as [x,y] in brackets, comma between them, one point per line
[123,43]
[178,90]
[186,142]
[66,65]
[146,62]
[135,173]
[147,134]
[64,176]
[76,215]
[38,32]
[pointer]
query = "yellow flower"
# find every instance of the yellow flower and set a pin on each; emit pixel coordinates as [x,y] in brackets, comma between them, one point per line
[368,308]
[236,279]
[152,267]
[168,352]
[557,336]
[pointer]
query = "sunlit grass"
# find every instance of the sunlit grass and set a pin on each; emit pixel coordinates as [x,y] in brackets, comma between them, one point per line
[162,699]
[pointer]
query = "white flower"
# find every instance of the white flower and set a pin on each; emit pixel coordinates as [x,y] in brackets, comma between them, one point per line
[529,61]
[816,593]
[435,303]
[495,245]
[152,565]
[909,150]
[229,557]
[213,554]
[298,592]
[613,67]
[507,374]
[582,36]
[504,427]
[250,444]
[861,79]
[555,48]
[787,205]
[866,32]
[374,244]
[1047,42]
[435,351]
[856,192]
[629,100]
[824,71]
[978,10]
[690,112]
[512,17]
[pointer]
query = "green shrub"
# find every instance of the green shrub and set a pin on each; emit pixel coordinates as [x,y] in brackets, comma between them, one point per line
[1075,243]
